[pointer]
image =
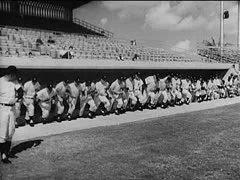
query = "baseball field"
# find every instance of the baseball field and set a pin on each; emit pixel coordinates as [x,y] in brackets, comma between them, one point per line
[197,145]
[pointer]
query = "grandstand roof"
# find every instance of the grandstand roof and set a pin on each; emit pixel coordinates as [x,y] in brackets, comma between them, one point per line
[68,3]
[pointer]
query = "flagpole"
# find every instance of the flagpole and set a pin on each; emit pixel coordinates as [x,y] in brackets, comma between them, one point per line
[221,29]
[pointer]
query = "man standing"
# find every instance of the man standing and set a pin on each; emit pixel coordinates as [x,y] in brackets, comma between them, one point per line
[30,89]
[7,111]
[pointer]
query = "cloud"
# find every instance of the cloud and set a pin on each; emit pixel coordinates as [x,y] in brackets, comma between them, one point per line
[182,46]
[163,17]
[160,18]
[103,21]
[175,15]
[128,9]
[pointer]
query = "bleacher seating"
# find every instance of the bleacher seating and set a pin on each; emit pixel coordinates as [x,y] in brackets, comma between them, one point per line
[229,55]
[88,46]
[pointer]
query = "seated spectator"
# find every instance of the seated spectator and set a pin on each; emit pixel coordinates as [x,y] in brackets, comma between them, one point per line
[30,54]
[8,53]
[120,58]
[39,42]
[133,42]
[135,57]
[62,51]
[17,53]
[51,42]
[69,54]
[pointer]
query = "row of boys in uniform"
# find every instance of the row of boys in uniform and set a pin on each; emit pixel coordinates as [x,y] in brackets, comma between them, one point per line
[125,93]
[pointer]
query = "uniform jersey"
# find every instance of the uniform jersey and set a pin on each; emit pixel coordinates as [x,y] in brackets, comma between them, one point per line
[61,89]
[129,84]
[116,87]
[30,89]
[74,90]
[162,83]
[151,83]
[101,88]
[185,84]
[198,85]
[216,82]
[138,84]
[7,91]
[45,96]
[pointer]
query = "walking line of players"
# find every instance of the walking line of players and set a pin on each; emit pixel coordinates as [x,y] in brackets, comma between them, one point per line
[124,94]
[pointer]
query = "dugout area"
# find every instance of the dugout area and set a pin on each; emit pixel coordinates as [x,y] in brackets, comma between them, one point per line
[56,75]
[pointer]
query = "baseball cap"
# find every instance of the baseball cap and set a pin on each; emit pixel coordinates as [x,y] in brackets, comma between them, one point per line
[34,79]
[49,85]
[11,70]
[104,78]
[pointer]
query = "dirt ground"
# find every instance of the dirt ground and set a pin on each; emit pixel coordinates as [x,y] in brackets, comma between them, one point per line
[198,145]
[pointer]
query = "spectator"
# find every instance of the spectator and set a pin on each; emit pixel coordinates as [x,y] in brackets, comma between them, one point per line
[1,51]
[51,42]
[8,53]
[39,42]
[120,58]
[30,54]
[133,42]
[17,53]
[135,57]
[69,54]
[62,51]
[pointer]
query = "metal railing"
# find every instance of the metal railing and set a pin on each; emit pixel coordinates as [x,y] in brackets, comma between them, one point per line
[229,54]
[93,27]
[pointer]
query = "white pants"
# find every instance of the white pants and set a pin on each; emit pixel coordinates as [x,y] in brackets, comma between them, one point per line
[29,103]
[87,100]
[133,98]
[105,101]
[60,107]
[7,123]
[72,104]
[45,107]
[140,96]
[18,109]
[152,96]
[186,94]
[165,96]
[119,102]
[178,94]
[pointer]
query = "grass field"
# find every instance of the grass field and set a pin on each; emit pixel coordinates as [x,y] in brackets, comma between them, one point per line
[198,145]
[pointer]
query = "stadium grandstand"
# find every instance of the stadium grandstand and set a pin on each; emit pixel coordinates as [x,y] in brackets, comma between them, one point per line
[26,21]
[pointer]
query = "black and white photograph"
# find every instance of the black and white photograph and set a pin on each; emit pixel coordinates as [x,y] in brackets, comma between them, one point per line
[119,90]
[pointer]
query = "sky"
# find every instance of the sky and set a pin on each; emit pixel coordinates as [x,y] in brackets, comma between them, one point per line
[178,25]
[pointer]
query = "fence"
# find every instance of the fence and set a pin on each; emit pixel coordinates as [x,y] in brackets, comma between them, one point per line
[93,27]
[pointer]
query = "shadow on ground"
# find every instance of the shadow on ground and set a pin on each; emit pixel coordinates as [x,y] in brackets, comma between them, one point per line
[25,145]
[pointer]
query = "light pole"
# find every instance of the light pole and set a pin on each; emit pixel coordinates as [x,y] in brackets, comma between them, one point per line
[238,39]
[221,29]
